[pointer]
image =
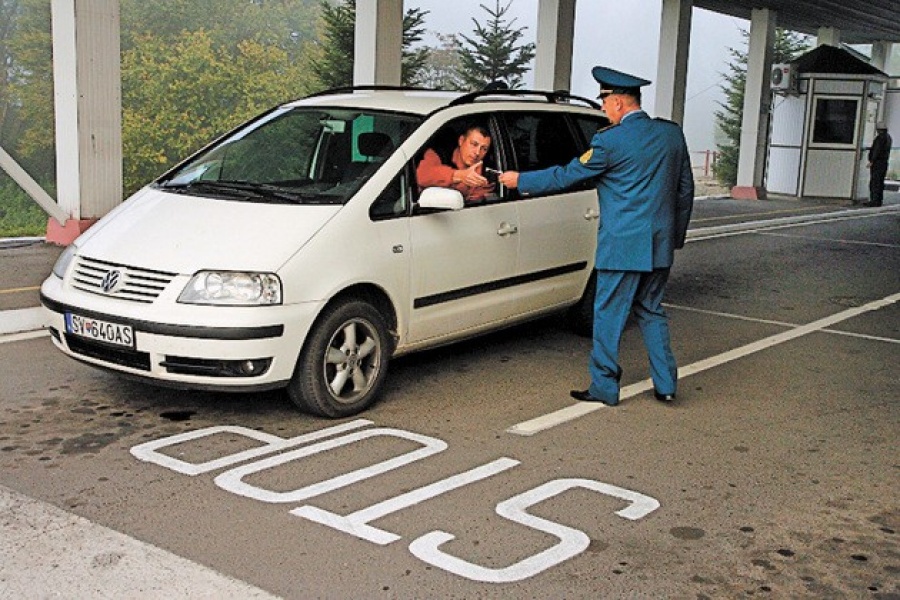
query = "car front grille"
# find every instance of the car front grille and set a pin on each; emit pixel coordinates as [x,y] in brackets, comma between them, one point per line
[119,281]
[111,354]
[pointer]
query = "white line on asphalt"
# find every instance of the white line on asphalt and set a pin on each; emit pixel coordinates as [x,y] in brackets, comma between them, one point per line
[720,231]
[22,319]
[825,239]
[779,323]
[575,411]
[717,313]
[863,336]
[18,337]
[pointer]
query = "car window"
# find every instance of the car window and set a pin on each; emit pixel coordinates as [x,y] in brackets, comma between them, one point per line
[588,125]
[394,200]
[540,140]
[299,155]
[442,148]
[543,139]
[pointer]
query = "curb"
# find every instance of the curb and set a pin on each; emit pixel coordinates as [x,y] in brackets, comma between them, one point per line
[720,230]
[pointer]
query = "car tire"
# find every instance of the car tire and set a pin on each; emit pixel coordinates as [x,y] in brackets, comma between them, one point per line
[343,362]
[581,315]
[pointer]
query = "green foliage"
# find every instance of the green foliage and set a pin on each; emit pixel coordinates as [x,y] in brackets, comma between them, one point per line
[331,61]
[28,130]
[494,53]
[177,98]
[19,214]
[285,24]
[787,46]
[441,69]
[414,60]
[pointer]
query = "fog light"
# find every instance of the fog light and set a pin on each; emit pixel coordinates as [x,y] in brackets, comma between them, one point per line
[211,367]
[252,367]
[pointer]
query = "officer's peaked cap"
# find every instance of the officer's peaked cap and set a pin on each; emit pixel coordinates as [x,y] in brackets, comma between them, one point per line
[617,82]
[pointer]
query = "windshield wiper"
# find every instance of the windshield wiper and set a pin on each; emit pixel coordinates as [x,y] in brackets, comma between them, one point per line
[243,189]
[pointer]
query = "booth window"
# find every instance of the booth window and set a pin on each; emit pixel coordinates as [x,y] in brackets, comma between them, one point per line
[835,121]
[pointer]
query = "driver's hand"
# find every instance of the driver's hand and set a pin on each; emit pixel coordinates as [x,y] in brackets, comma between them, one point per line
[472,177]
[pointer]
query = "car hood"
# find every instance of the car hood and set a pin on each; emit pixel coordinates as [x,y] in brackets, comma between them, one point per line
[184,234]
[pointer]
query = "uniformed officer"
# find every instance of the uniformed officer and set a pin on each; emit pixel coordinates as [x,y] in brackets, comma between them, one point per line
[646,194]
[879,154]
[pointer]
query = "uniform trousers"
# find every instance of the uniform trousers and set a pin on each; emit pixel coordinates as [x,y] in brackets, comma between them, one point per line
[876,183]
[620,293]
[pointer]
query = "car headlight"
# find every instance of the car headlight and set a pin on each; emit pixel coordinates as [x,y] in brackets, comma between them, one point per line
[64,260]
[232,288]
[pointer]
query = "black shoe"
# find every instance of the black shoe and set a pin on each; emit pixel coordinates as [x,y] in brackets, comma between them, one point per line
[664,397]
[585,396]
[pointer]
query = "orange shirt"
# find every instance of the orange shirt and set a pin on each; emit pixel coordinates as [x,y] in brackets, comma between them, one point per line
[431,172]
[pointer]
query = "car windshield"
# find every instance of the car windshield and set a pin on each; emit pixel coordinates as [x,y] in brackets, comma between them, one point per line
[294,155]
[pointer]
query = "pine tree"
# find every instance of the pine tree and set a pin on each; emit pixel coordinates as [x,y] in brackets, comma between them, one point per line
[492,54]
[788,45]
[441,70]
[332,65]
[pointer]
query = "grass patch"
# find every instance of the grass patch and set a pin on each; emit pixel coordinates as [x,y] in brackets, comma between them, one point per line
[20,216]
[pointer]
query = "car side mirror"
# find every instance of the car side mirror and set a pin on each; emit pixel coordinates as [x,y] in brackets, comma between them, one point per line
[441,199]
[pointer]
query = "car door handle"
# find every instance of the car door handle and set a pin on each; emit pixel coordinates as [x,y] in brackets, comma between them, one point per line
[591,214]
[507,229]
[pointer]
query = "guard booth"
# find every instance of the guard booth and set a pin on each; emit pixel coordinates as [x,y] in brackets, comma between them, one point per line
[824,108]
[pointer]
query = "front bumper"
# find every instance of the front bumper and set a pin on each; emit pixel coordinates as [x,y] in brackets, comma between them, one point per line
[223,348]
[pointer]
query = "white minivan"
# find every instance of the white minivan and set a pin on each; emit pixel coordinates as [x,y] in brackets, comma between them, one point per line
[299,252]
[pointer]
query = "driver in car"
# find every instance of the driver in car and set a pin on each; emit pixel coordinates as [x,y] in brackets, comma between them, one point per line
[463,170]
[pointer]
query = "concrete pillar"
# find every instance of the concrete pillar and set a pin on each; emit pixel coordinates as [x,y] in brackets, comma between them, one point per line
[88,113]
[379,42]
[828,35]
[555,38]
[671,73]
[881,51]
[757,100]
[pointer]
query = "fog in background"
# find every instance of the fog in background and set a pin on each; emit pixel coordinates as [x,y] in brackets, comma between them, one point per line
[623,36]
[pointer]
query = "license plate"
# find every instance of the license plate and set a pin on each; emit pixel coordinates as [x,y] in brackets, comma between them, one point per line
[100,331]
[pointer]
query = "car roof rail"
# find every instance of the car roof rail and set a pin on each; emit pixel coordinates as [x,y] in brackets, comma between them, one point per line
[555,97]
[371,88]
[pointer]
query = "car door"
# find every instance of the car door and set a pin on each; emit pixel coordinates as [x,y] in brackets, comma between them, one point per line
[557,231]
[463,269]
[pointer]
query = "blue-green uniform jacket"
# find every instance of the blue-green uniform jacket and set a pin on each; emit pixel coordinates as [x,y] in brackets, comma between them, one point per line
[645,189]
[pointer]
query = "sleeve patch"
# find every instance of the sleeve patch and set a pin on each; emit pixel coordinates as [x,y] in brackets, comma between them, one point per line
[584,158]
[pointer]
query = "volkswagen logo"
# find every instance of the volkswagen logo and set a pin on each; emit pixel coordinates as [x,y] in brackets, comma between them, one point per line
[111,281]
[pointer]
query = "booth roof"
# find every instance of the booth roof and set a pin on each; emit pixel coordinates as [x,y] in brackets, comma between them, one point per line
[830,59]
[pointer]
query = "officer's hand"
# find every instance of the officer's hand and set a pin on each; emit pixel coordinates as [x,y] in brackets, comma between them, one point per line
[510,179]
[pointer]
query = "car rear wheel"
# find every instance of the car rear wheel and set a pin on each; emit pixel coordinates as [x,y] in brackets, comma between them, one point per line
[343,362]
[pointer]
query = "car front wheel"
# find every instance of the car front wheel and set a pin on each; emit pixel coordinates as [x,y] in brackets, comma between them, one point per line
[343,362]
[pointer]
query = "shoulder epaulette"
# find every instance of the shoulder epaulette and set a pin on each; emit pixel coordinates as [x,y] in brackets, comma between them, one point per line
[607,128]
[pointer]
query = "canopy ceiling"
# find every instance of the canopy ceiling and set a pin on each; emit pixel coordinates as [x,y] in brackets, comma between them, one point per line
[860,21]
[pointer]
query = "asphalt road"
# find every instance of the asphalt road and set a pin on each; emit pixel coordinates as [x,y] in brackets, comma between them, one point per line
[775,474]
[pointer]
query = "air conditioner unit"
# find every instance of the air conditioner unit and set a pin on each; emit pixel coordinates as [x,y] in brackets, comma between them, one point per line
[784,78]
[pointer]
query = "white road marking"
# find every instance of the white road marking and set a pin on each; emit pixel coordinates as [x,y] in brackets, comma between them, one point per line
[149,451]
[18,337]
[357,523]
[572,542]
[831,240]
[720,231]
[233,482]
[22,320]
[726,315]
[575,411]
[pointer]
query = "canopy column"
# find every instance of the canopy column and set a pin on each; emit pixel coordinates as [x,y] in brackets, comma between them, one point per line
[88,113]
